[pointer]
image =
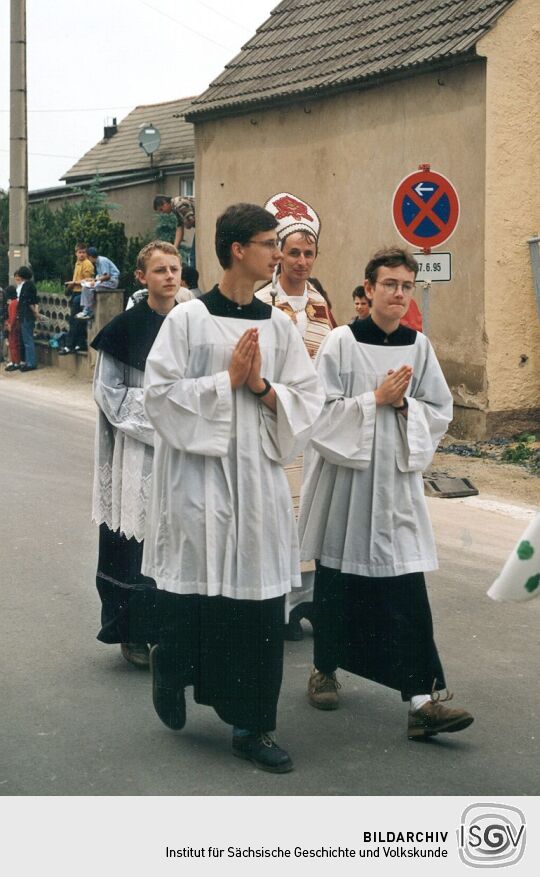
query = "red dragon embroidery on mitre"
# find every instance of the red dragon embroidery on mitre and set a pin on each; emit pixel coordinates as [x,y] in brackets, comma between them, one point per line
[288,206]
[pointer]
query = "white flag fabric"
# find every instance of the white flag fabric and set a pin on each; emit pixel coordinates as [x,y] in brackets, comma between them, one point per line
[520,576]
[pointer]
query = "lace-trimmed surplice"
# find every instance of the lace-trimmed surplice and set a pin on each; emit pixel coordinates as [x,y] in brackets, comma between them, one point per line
[123,449]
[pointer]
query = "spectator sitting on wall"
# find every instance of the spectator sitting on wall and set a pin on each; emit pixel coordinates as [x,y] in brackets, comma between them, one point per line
[190,280]
[107,277]
[84,270]
[184,212]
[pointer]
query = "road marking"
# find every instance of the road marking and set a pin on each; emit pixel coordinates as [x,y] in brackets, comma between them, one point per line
[519,512]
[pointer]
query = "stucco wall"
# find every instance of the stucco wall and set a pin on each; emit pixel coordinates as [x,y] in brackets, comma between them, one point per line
[135,207]
[512,50]
[345,156]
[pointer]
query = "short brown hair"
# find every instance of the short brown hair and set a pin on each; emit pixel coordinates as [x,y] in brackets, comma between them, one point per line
[149,249]
[160,200]
[238,224]
[390,257]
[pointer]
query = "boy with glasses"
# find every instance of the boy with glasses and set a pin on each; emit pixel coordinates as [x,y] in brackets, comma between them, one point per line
[363,515]
[232,395]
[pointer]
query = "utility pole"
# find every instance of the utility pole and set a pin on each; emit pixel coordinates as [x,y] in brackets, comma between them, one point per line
[18,153]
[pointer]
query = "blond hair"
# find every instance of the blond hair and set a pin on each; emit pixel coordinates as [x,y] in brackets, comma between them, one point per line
[150,249]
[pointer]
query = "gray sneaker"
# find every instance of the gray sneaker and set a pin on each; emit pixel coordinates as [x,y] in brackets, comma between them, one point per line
[323,690]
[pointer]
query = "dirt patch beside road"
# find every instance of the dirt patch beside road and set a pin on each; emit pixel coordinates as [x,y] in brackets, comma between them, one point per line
[510,482]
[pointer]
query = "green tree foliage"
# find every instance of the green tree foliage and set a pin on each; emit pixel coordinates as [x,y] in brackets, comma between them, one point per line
[165,227]
[127,275]
[53,235]
[50,255]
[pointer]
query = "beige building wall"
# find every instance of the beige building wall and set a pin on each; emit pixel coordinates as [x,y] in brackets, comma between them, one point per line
[346,155]
[134,207]
[512,215]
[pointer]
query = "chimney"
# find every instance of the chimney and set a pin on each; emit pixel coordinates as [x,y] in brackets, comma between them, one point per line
[110,130]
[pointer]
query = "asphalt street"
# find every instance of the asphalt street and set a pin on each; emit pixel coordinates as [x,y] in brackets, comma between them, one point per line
[78,720]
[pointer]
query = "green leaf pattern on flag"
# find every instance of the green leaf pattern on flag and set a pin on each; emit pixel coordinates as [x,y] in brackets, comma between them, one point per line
[532,583]
[525,550]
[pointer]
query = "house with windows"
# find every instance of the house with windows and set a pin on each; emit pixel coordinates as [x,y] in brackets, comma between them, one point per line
[339,101]
[127,173]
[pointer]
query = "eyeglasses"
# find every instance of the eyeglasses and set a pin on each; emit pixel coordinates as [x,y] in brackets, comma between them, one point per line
[269,245]
[394,285]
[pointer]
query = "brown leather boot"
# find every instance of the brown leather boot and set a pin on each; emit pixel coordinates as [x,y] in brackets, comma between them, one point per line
[323,690]
[434,718]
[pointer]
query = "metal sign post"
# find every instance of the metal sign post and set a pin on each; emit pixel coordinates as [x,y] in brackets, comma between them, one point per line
[426,292]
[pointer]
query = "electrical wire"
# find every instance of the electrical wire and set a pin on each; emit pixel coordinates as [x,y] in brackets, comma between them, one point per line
[185,26]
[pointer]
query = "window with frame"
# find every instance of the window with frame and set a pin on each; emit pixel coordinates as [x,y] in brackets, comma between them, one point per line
[187,186]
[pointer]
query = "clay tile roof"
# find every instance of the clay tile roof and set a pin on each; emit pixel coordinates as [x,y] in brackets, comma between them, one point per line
[122,153]
[318,46]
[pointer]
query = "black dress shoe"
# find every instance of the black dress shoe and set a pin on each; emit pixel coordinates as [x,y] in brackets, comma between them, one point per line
[293,632]
[263,752]
[136,654]
[167,694]
[12,367]
[28,368]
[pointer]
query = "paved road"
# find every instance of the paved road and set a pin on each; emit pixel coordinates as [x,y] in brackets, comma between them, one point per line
[80,720]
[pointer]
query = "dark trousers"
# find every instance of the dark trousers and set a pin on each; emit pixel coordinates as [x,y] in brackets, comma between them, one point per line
[231,651]
[128,598]
[76,336]
[378,628]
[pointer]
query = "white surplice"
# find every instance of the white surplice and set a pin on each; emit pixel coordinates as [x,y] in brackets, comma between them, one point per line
[123,448]
[220,520]
[363,509]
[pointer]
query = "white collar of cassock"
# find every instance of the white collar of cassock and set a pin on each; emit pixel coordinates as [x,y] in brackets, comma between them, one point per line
[297,302]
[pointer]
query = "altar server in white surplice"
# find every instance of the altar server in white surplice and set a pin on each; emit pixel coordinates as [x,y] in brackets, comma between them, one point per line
[123,456]
[363,515]
[233,396]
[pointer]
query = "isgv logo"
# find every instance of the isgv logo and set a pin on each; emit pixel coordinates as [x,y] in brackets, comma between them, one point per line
[491,835]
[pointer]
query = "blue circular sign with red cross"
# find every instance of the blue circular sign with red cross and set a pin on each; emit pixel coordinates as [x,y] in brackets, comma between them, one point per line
[425,209]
